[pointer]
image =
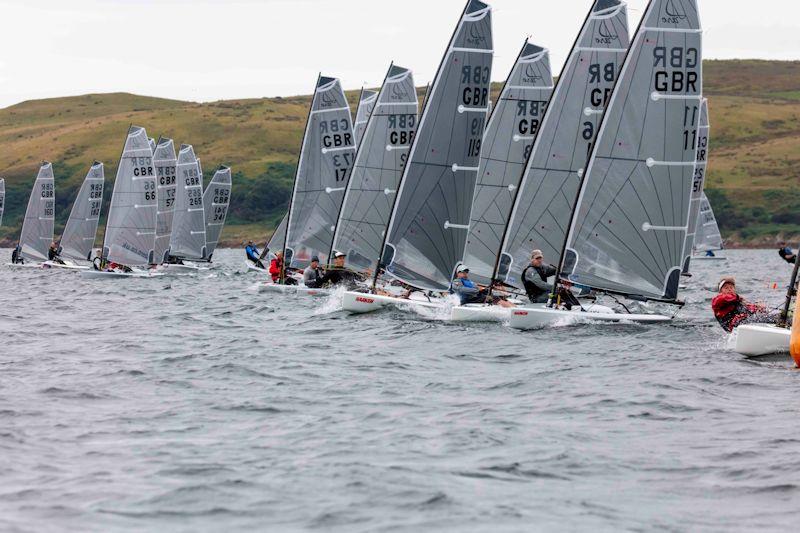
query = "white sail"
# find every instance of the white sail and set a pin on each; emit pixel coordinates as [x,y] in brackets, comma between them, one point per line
[707,234]
[278,239]
[215,202]
[366,103]
[164,160]
[188,240]
[81,229]
[2,199]
[698,185]
[37,228]
[131,227]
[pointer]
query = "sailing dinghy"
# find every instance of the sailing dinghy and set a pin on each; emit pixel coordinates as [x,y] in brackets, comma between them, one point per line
[187,243]
[326,160]
[216,200]
[708,238]
[628,229]
[2,199]
[77,241]
[165,161]
[427,230]
[129,246]
[507,143]
[38,225]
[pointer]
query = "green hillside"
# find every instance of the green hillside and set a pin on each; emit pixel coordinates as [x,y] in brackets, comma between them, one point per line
[755,116]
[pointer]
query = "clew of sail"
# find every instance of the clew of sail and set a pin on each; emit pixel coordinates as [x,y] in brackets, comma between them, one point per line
[378,167]
[188,238]
[708,236]
[2,199]
[549,186]
[326,159]
[131,225]
[428,228]
[366,103]
[165,162]
[81,229]
[506,146]
[216,200]
[698,185]
[628,229]
[37,228]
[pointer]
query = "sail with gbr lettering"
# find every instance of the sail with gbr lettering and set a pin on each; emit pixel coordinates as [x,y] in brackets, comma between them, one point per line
[629,227]
[326,159]
[81,229]
[131,226]
[38,226]
[165,161]
[507,144]
[428,228]
[549,187]
[366,103]
[188,239]
[378,167]
[216,200]
[698,185]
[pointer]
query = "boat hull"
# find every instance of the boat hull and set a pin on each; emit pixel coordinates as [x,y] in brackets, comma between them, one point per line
[66,266]
[762,339]
[299,290]
[362,302]
[185,269]
[99,274]
[480,313]
[536,317]
[705,258]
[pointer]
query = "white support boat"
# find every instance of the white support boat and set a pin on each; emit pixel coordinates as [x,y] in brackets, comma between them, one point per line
[762,339]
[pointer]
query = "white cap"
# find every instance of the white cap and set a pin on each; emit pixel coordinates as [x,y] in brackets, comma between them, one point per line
[462,268]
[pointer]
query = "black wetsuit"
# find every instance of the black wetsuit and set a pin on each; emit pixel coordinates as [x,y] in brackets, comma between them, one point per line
[340,276]
[788,255]
[538,292]
[16,256]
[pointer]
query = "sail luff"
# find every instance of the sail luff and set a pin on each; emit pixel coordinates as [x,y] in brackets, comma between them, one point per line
[79,234]
[428,227]
[628,229]
[510,133]
[38,225]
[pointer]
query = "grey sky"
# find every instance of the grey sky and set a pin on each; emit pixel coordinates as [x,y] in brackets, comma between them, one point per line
[216,49]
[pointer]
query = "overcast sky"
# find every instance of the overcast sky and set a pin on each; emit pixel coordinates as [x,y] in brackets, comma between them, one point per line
[205,50]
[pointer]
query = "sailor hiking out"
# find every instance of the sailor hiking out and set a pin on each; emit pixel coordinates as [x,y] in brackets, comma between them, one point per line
[731,310]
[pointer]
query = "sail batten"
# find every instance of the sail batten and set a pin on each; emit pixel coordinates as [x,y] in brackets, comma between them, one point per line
[39,222]
[629,227]
[323,171]
[426,236]
[131,226]
[378,168]
[506,145]
[81,229]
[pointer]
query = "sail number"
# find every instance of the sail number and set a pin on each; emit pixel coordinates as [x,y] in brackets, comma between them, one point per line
[342,162]
[476,130]
[150,190]
[675,80]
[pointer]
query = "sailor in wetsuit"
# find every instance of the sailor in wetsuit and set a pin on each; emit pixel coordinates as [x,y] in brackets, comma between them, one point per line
[731,310]
[786,253]
[339,275]
[53,254]
[313,274]
[535,278]
[16,256]
[253,255]
[469,292]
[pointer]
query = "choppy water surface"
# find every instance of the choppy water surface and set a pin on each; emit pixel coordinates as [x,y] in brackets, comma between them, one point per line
[199,404]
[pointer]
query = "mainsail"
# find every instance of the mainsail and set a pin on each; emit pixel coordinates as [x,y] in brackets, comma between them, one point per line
[164,160]
[37,228]
[507,144]
[215,202]
[81,229]
[379,165]
[707,233]
[131,227]
[188,239]
[278,239]
[2,199]
[698,186]
[630,223]
[366,103]
[544,202]
[429,223]
[326,159]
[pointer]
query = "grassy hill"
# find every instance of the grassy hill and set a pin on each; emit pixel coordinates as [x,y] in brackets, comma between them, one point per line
[754,170]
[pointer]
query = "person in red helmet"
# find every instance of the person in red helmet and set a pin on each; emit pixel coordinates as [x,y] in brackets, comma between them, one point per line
[731,310]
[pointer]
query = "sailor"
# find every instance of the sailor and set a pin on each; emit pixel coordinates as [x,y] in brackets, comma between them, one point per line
[710,253]
[535,278]
[16,256]
[275,268]
[52,254]
[312,275]
[469,292]
[786,253]
[731,310]
[337,274]
[253,255]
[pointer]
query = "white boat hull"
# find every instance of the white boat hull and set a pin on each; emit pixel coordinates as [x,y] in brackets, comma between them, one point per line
[762,339]
[99,274]
[28,266]
[540,316]
[300,290]
[184,269]
[706,258]
[480,313]
[68,265]
[252,268]
[362,302]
